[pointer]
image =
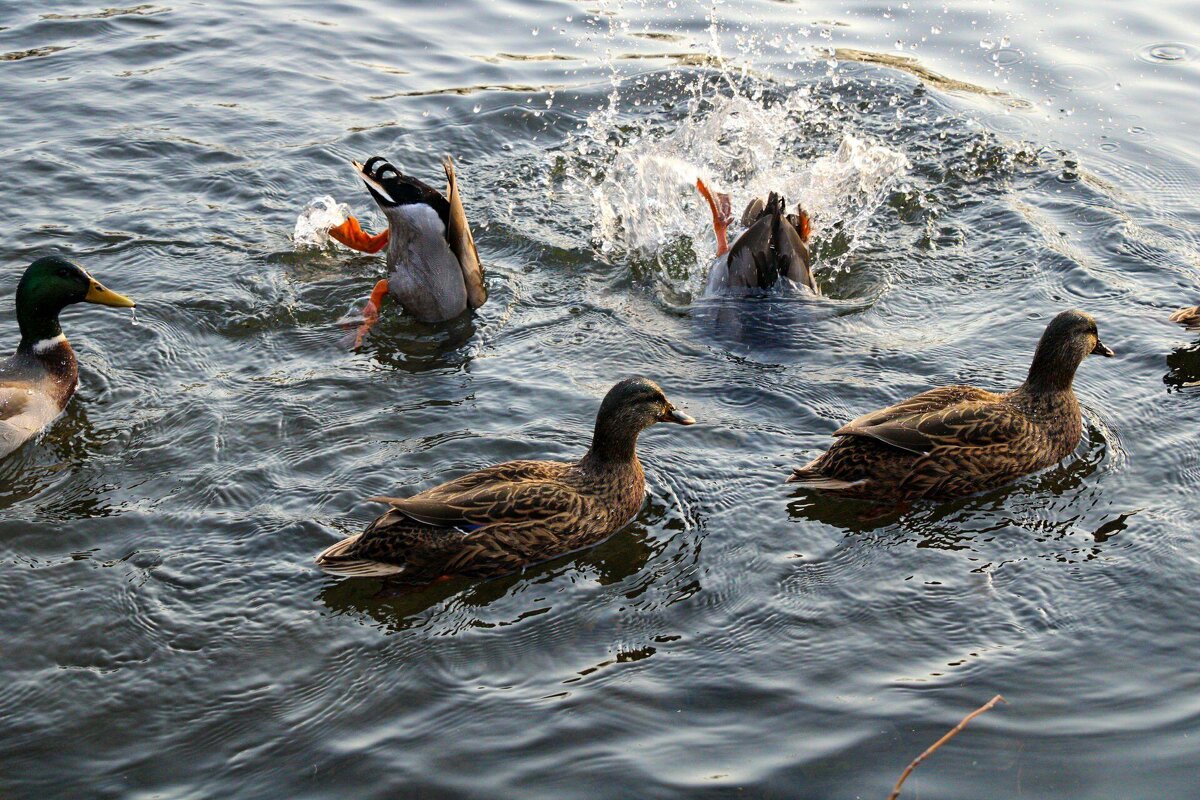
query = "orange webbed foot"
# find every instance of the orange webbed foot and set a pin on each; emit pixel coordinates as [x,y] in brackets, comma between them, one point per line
[719,205]
[370,315]
[353,236]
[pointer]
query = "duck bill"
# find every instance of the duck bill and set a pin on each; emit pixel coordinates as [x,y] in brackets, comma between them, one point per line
[381,194]
[676,416]
[106,297]
[1102,349]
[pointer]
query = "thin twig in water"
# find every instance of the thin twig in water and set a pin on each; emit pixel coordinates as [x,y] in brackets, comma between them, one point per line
[913,765]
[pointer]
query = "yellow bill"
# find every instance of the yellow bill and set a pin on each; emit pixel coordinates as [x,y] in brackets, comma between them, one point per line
[107,297]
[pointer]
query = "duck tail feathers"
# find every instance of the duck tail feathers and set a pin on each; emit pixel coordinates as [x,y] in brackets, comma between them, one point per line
[338,559]
[810,478]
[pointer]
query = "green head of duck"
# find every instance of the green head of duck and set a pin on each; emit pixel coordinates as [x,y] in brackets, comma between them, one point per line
[48,286]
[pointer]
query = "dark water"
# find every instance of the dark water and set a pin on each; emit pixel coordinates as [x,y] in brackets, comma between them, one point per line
[163,631]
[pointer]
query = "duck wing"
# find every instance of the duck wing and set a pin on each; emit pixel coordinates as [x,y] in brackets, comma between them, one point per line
[951,416]
[25,409]
[791,253]
[750,259]
[1188,317]
[458,234]
[517,491]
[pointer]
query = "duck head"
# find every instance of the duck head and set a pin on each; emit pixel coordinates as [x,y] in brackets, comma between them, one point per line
[630,407]
[1070,337]
[48,286]
[401,198]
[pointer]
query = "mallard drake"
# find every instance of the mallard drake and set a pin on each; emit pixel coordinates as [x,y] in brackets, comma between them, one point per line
[774,245]
[37,381]
[1188,318]
[503,518]
[958,440]
[433,266]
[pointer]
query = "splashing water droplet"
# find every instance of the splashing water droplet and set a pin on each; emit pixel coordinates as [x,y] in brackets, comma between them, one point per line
[477,108]
[315,220]
[133,320]
[986,44]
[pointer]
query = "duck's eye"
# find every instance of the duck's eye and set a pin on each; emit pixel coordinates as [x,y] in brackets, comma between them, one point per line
[64,273]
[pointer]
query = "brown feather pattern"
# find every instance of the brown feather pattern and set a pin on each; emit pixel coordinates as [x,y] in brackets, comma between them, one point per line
[502,518]
[957,440]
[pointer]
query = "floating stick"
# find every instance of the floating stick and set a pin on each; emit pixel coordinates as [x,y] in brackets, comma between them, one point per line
[913,765]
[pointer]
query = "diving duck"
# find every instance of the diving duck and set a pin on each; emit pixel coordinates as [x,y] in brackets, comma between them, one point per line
[1188,318]
[433,267]
[958,440]
[774,245]
[37,381]
[506,517]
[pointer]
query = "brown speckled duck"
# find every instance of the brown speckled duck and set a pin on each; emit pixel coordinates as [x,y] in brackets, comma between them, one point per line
[958,440]
[1188,317]
[503,518]
[773,246]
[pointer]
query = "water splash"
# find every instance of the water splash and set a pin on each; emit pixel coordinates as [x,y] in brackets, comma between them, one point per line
[644,175]
[315,220]
[133,320]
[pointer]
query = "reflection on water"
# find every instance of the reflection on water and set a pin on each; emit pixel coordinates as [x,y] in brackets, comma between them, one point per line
[972,170]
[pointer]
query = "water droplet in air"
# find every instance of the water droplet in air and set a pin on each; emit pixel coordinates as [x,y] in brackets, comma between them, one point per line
[536,31]
[899,44]
[986,44]
[935,30]
[133,317]
[477,108]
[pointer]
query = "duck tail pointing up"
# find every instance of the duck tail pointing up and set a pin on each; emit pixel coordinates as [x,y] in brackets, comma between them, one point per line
[339,560]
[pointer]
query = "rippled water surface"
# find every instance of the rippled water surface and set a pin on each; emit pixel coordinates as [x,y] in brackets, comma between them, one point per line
[971,169]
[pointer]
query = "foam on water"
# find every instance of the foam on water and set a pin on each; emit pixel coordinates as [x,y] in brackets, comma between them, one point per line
[315,220]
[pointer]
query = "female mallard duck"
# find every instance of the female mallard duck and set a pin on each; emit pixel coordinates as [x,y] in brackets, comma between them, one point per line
[773,246]
[958,440]
[1188,318]
[433,267]
[509,516]
[37,381]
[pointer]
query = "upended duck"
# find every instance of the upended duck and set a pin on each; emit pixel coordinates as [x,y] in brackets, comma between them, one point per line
[39,379]
[433,266]
[503,518]
[958,440]
[773,246]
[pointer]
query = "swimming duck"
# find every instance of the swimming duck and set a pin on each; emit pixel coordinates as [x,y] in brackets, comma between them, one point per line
[773,246]
[509,516]
[37,381]
[1188,318]
[958,440]
[433,266]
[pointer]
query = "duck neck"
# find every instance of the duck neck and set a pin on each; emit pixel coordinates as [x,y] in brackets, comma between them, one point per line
[613,444]
[1053,369]
[40,330]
